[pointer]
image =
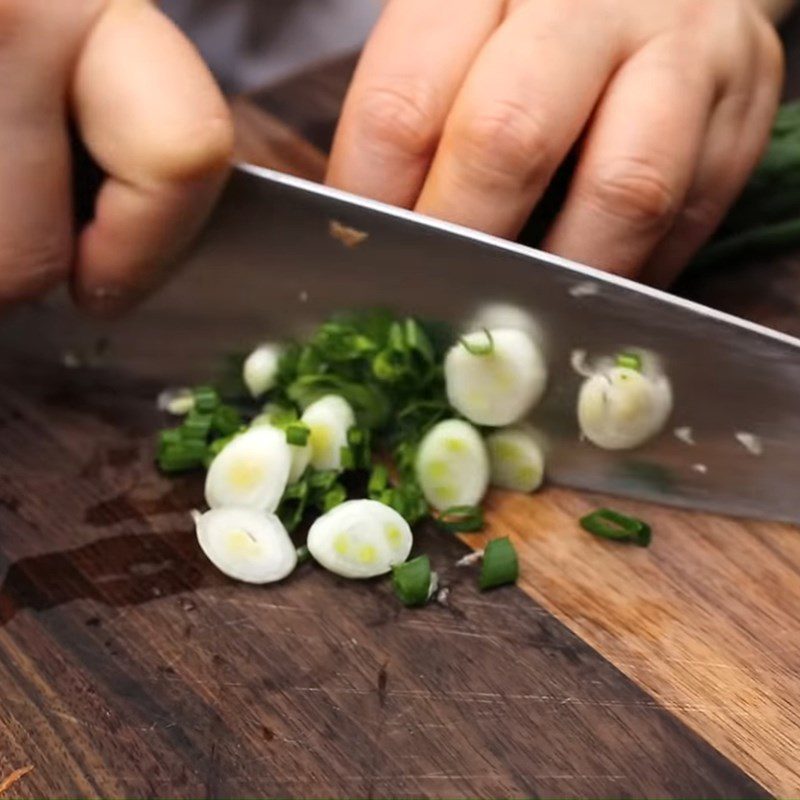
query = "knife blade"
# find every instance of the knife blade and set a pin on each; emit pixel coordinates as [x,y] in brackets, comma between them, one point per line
[734,382]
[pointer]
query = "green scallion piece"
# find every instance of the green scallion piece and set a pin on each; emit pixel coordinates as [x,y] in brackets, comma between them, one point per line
[629,361]
[462,519]
[479,348]
[206,399]
[500,565]
[196,426]
[348,458]
[170,436]
[412,581]
[226,420]
[378,482]
[334,497]
[303,554]
[297,433]
[182,457]
[609,524]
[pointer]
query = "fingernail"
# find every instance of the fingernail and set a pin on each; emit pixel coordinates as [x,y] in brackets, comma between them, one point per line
[104,300]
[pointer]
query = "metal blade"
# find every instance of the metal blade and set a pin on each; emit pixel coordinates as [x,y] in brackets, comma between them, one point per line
[728,376]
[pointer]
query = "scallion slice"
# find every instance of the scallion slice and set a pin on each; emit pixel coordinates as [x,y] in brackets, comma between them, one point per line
[196,425]
[297,433]
[609,524]
[412,581]
[462,519]
[206,399]
[629,361]
[476,347]
[500,565]
[183,456]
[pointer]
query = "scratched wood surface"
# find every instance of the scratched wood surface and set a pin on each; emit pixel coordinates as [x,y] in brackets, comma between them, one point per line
[129,667]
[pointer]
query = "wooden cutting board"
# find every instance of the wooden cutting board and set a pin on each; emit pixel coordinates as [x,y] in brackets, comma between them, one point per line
[129,667]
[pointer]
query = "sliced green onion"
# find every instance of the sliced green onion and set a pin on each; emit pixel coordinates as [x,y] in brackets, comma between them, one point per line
[359,441]
[609,524]
[322,479]
[303,554]
[196,426]
[206,399]
[348,458]
[412,581]
[226,420]
[378,482]
[169,437]
[417,340]
[629,361]
[462,519]
[293,504]
[500,565]
[182,457]
[333,497]
[390,365]
[478,348]
[297,433]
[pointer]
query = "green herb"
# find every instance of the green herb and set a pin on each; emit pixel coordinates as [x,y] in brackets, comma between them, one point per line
[297,433]
[630,361]
[479,348]
[226,420]
[412,581]
[500,565]
[462,519]
[182,457]
[196,425]
[206,399]
[378,482]
[610,524]
[336,495]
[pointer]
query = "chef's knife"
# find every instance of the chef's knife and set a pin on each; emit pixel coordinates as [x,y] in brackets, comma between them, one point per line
[736,385]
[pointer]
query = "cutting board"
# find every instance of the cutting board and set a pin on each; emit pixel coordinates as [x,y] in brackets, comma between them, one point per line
[129,667]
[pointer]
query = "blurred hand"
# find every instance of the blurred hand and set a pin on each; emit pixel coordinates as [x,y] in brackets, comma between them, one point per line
[150,115]
[463,110]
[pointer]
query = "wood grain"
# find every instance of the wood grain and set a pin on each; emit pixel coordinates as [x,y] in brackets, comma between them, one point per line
[131,668]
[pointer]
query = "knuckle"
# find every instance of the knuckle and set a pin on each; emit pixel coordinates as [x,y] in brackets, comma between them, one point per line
[635,191]
[200,152]
[506,142]
[402,116]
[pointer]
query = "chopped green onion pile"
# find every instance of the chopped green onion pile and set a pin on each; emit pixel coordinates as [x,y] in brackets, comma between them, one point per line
[372,425]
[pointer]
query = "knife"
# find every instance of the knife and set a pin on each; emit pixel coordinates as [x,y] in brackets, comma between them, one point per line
[736,385]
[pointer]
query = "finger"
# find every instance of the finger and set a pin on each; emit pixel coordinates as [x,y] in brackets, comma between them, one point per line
[637,163]
[522,106]
[737,136]
[405,83]
[163,135]
[35,222]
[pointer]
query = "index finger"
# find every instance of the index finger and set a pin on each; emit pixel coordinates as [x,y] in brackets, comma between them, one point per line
[162,133]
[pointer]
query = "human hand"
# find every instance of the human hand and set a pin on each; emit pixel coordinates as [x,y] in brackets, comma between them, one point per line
[149,114]
[463,110]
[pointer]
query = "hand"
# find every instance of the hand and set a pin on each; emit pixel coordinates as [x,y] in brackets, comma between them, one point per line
[463,110]
[150,115]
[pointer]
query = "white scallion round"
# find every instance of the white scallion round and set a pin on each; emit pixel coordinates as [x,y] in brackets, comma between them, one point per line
[261,369]
[500,387]
[245,544]
[620,408]
[251,471]
[329,419]
[301,453]
[360,539]
[516,460]
[177,401]
[452,465]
